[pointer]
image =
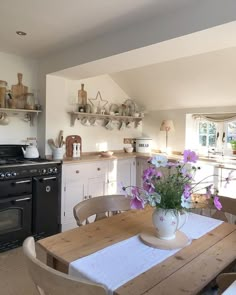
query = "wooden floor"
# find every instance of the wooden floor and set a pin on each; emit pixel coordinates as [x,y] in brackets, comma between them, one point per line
[14,278]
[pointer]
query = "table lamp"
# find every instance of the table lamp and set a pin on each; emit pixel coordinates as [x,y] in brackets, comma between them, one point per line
[167,125]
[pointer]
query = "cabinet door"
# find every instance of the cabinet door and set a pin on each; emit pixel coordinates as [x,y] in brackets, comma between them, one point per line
[142,164]
[121,171]
[96,186]
[74,193]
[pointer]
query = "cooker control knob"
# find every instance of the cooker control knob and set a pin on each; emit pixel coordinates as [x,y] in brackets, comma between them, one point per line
[54,170]
[7,174]
[43,171]
[2,175]
[13,174]
[50,170]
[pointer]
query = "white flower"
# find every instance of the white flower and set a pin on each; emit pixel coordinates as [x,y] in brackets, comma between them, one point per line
[159,161]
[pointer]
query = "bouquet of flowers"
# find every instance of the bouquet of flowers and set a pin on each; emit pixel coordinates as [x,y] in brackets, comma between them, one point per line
[172,189]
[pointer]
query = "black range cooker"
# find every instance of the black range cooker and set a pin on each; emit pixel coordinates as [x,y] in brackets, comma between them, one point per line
[29,197]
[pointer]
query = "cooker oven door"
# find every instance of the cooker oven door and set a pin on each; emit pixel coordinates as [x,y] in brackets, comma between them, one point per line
[15,218]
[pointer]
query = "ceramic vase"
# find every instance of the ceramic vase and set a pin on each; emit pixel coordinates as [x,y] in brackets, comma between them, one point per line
[167,222]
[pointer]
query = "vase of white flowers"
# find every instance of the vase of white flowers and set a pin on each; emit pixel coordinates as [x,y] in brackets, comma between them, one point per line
[169,192]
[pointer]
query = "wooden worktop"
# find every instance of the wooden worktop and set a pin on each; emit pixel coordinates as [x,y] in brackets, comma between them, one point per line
[224,162]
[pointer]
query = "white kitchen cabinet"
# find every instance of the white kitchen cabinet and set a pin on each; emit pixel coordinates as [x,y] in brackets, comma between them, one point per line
[123,172]
[80,182]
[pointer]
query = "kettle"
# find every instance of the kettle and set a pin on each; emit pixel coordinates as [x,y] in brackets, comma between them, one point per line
[30,152]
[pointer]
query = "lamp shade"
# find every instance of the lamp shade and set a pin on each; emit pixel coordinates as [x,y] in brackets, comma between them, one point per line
[167,125]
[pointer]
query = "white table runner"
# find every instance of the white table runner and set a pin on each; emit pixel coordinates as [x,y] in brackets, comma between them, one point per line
[117,264]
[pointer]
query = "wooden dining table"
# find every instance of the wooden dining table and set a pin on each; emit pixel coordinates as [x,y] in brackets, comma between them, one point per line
[186,272]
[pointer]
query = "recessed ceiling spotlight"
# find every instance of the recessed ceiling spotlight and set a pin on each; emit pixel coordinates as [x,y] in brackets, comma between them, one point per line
[20,33]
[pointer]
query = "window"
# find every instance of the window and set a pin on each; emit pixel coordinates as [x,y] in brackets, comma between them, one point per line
[210,133]
[207,134]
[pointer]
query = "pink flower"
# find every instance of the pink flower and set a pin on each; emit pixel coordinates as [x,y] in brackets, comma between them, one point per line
[187,191]
[208,191]
[136,202]
[190,156]
[148,187]
[217,203]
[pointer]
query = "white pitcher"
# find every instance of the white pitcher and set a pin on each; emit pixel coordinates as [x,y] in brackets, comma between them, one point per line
[167,222]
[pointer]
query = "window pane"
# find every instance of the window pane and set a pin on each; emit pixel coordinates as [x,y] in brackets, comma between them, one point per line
[231,131]
[212,128]
[212,140]
[202,128]
[203,140]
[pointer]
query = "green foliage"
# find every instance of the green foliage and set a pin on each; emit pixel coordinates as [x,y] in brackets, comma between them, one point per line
[233,144]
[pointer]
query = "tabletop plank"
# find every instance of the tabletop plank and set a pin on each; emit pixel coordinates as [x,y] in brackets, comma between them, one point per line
[203,268]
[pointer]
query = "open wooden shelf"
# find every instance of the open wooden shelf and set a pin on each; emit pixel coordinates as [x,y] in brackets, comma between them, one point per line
[78,116]
[30,113]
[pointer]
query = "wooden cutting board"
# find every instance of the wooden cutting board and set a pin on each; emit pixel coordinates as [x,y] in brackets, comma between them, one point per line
[70,139]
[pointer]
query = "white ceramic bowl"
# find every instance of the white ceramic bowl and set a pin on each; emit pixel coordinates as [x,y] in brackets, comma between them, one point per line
[128,149]
[107,154]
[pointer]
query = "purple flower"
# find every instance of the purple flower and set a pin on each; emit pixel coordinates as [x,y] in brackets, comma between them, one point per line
[217,203]
[187,191]
[136,201]
[148,187]
[150,172]
[190,156]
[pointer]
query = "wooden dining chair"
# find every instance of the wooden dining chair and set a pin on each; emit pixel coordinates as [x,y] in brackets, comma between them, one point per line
[101,207]
[227,213]
[49,281]
[224,280]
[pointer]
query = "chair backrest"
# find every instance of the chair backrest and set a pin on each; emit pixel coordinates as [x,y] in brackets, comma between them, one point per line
[101,207]
[227,213]
[49,281]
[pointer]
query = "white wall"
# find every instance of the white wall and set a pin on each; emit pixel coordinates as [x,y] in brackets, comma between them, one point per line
[61,94]
[177,139]
[18,129]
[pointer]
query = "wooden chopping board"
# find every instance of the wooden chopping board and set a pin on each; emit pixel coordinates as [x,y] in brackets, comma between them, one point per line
[70,139]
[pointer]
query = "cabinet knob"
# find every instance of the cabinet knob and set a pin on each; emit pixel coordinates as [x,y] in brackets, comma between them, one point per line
[85,197]
[77,171]
[98,169]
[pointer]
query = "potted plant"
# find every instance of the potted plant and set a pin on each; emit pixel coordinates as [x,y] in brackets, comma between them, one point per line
[233,145]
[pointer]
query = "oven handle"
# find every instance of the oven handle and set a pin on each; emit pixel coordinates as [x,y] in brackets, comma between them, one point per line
[21,200]
[22,181]
[16,199]
[45,178]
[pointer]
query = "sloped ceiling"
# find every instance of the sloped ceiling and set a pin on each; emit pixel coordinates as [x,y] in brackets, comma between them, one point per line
[205,80]
[56,24]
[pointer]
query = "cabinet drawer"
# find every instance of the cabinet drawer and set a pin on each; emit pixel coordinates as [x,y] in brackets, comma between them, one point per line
[78,172]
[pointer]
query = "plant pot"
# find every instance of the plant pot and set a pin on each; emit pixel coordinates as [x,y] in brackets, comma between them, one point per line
[234,152]
[167,222]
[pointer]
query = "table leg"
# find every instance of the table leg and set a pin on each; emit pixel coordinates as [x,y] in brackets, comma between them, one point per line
[56,264]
